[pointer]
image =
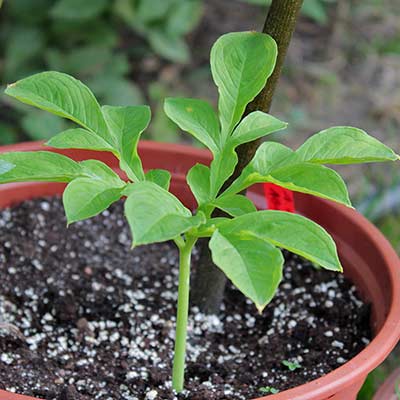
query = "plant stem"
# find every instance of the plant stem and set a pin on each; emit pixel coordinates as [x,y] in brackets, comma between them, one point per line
[178,370]
[209,282]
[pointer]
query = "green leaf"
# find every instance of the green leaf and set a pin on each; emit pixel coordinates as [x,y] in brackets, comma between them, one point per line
[269,156]
[344,145]
[253,265]
[241,63]
[126,124]
[98,170]
[184,17]
[198,179]
[79,139]
[78,9]
[86,197]
[160,177]
[254,126]
[289,231]
[170,47]
[278,164]
[5,166]
[312,179]
[41,126]
[39,166]
[196,117]
[152,10]
[62,95]
[209,227]
[155,215]
[235,205]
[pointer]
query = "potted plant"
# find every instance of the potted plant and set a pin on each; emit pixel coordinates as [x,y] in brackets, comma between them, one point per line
[246,247]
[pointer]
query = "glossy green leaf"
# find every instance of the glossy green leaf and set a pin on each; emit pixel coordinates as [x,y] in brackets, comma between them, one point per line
[312,179]
[222,167]
[126,124]
[78,9]
[161,177]
[86,197]
[62,95]
[39,166]
[5,166]
[269,156]
[289,231]
[79,138]
[344,145]
[235,205]
[198,179]
[241,63]
[253,265]
[254,126]
[196,117]
[155,215]
[278,164]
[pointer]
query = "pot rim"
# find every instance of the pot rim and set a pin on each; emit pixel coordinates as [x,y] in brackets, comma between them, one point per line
[356,368]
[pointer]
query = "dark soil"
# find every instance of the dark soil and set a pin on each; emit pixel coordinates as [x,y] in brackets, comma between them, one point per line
[98,319]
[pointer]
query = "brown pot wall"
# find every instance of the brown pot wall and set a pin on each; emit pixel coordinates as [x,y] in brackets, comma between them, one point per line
[368,260]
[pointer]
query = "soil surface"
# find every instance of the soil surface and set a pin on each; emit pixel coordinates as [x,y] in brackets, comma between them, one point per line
[91,319]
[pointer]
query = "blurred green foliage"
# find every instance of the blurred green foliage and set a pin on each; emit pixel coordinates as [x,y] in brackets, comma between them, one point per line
[85,39]
[317,10]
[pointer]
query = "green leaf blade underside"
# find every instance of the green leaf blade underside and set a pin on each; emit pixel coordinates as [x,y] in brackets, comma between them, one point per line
[344,145]
[253,265]
[198,179]
[43,166]
[241,63]
[290,231]
[86,197]
[196,117]
[254,126]
[64,96]
[79,138]
[235,205]
[160,177]
[155,215]
[127,124]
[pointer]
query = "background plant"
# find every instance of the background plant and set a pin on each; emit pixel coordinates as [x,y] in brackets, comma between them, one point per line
[245,247]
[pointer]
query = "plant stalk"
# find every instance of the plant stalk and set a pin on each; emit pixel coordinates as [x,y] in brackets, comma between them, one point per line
[209,283]
[178,370]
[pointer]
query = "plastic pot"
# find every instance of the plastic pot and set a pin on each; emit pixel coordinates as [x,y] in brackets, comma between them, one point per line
[368,260]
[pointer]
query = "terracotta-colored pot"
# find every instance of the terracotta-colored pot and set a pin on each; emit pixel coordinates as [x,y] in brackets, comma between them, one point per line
[368,259]
[388,390]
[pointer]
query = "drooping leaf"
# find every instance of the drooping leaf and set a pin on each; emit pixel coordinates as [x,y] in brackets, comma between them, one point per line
[62,95]
[198,179]
[79,138]
[289,231]
[253,265]
[39,166]
[278,164]
[235,205]
[344,145]
[254,126]
[196,117]
[155,215]
[161,177]
[126,124]
[241,63]
[86,197]
[78,9]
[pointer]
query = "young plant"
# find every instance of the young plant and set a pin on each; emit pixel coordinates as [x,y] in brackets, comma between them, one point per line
[291,365]
[247,246]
